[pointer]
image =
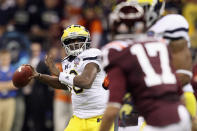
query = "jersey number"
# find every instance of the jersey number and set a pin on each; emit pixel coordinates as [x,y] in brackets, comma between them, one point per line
[151,77]
[76,89]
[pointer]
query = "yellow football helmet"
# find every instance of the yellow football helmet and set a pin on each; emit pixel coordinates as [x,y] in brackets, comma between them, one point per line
[75,39]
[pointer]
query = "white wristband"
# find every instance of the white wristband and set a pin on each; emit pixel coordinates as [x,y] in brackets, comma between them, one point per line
[114,104]
[186,72]
[66,78]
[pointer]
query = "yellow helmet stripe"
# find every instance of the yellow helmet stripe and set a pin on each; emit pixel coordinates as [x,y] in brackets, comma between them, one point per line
[74,30]
[145,1]
[79,30]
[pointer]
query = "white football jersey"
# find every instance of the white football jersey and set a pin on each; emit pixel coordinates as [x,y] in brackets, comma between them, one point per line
[87,102]
[172,27]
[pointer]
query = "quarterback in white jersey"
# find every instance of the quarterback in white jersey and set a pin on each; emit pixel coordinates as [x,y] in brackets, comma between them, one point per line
[87,102]
[83,76]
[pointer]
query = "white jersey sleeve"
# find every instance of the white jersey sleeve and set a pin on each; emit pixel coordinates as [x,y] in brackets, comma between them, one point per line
[90,102]
[91,55]
[172,27]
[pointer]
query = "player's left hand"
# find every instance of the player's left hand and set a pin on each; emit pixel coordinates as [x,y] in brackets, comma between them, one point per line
[50,63]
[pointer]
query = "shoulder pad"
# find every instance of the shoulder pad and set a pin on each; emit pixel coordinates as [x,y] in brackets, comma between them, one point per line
[172,27]
[169,23]
[90,54]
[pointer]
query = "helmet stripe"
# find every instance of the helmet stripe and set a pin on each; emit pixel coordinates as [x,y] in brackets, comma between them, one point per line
[151,2]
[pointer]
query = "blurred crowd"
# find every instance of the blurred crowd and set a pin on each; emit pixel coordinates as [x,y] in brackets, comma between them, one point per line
[31,28]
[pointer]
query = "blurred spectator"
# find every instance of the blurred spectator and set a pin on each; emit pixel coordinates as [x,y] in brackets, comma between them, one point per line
[190,13]
[39,97]
[193,40]
[25,15]
[62,99]
[35,58]
[91,3]
[50,13]
[6,12]
[71,15]
[91,21]
[36,54]
[7,92]
[36,3]
[18,45]
[54,35]
[103,10]
[76,6]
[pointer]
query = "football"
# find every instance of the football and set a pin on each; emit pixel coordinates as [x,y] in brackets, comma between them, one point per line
[21,76]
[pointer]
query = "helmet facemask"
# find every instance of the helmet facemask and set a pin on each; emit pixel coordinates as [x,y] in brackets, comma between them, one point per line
[153,11]
[75,39]
[75,45]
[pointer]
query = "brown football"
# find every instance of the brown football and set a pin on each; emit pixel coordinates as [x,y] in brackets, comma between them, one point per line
[21,76]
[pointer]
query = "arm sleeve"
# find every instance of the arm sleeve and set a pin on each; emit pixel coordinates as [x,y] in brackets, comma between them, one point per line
[117,85]
[96,61]
[92,56]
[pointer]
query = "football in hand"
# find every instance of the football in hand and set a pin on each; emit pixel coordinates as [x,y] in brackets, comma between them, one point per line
[21,76]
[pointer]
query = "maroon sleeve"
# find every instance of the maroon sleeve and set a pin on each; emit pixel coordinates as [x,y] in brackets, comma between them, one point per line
[117,84]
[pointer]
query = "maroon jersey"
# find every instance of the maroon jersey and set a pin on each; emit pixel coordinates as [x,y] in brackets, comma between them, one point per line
[144,69]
